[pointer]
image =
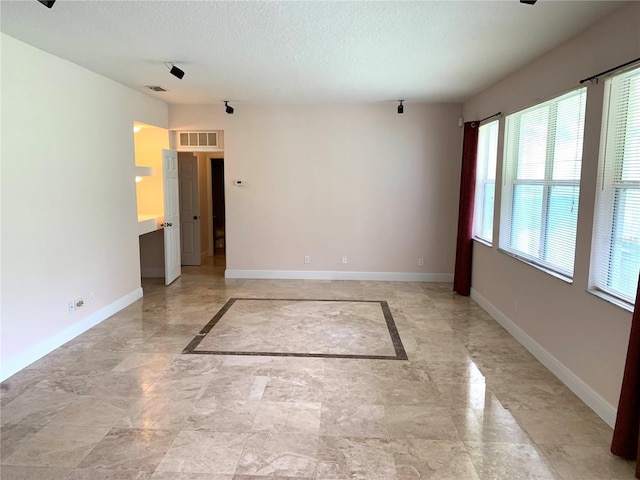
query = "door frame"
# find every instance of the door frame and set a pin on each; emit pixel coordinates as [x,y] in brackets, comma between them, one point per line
[210,155]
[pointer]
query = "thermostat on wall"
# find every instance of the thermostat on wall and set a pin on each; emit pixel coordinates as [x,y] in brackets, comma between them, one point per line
[238,183]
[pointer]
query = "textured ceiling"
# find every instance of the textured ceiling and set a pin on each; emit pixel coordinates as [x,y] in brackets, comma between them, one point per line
[301,52]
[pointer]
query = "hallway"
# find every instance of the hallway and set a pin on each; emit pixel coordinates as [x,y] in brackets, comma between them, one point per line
[122,402]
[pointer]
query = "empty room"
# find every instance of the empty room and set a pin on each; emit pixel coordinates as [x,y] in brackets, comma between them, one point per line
[319,240]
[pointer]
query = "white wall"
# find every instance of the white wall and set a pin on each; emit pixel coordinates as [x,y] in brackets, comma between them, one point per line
[334,180]
[69,221]
[583,337]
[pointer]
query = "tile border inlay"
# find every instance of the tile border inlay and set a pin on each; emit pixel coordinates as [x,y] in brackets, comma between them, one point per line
[401,354]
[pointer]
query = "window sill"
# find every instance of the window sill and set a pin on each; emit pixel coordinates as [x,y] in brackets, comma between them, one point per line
[611,299]
[537,266]
[483,242]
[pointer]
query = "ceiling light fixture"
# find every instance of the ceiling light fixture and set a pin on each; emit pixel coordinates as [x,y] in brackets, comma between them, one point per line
[400,107]
[228,108]
[529,2]
[47,3]
[175,71]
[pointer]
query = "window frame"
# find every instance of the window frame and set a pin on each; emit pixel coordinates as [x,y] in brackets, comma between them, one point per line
[610,184]
[482,181]
[510,161]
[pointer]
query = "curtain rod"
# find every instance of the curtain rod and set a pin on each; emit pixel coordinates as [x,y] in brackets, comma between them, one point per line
[610,70]
[490,116]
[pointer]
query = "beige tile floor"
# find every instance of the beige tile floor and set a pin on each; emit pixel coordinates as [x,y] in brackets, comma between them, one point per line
[300,327]
[121,401]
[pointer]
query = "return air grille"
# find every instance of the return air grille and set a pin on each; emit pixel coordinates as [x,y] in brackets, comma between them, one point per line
[198,139]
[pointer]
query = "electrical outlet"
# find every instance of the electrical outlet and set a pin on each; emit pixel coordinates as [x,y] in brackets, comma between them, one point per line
[79,303]
[307,259]
[344,260]
[421,261]
[71,305]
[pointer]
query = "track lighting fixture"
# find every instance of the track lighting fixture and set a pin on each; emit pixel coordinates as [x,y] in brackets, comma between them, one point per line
[228,108]
[529,2]
[47,3]
[175,71]
[400,107]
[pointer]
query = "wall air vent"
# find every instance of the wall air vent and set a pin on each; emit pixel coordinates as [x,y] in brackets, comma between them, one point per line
[197,140]
[156,88]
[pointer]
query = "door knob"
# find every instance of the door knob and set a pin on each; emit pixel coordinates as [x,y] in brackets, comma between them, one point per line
[166,225]
[169,224]
[196,217]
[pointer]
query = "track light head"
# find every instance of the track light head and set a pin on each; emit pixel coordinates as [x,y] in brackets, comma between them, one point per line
[529,2]
[176,72]
[47,3]
[400,107]
[228,108]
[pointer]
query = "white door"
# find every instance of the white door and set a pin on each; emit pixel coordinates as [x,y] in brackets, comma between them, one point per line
[189,210]
[171,216]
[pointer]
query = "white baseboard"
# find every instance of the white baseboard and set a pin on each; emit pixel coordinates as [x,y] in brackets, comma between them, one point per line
[328,275]
[588,395]
[36,352]
[152,272]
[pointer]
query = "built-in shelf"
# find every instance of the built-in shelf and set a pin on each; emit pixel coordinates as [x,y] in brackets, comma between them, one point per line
[148,223]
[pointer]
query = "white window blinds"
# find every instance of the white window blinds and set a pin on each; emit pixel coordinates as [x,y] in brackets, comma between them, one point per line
[616,246]
[485,181]
[541,182]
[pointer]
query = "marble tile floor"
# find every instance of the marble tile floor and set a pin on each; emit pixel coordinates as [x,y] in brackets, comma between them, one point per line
[122,402]
[301,327]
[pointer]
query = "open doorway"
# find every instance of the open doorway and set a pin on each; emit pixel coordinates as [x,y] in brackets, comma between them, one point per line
[218,207]
[202,207]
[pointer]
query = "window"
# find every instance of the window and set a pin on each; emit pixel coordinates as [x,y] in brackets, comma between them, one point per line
[541,182]
[485,181]
[616,246]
